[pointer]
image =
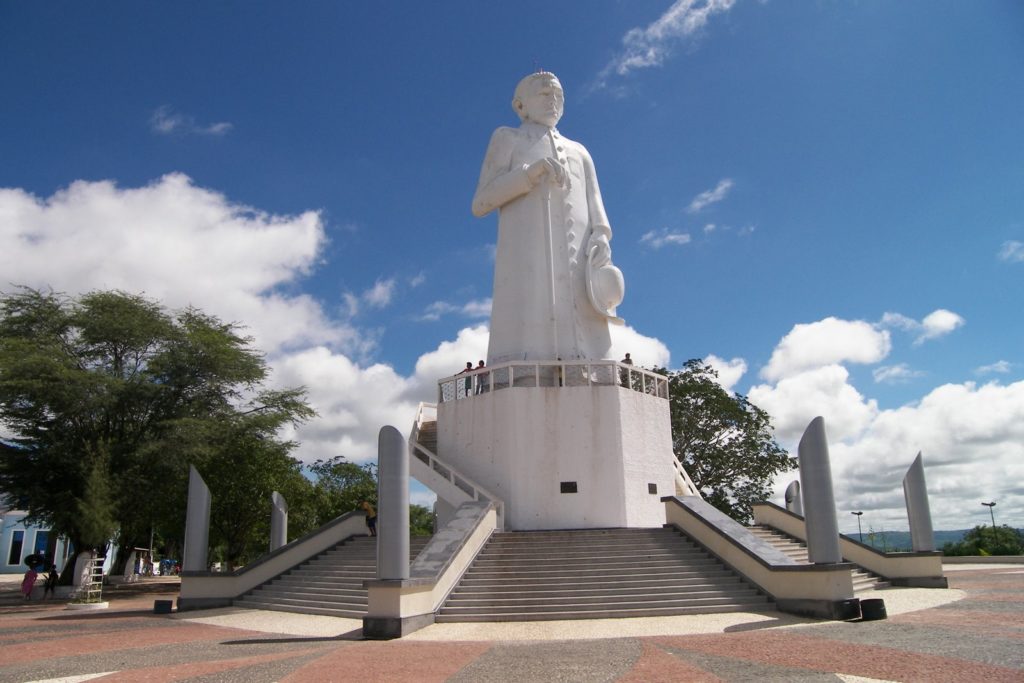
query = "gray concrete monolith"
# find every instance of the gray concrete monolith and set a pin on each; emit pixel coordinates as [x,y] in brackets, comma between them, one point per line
[278,521]
[392,505]
[915,492]
[197,523]
[793,502]
[818,497]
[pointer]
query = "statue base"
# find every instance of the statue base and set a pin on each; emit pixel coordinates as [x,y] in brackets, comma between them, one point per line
[594,455]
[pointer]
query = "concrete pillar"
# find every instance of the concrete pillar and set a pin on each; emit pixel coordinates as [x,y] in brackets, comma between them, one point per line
[197,523]
[793,502]
[819,500]
[392,505]
[915,492]
[278,521]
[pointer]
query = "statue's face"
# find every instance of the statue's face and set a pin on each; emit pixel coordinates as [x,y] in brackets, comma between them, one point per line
[545,102]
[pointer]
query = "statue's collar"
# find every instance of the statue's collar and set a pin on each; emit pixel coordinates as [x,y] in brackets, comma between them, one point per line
[536,130]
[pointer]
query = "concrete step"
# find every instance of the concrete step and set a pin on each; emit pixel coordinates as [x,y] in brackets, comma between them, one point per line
[594,573]
[329,584]
[356,613]
[617,613]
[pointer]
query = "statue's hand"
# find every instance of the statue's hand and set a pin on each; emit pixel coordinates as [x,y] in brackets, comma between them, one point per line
[600,252]
[545,168]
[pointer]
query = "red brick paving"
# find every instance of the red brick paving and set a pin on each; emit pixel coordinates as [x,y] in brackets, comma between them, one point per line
[42,641]
[826,655]
[657,666]
[388,662]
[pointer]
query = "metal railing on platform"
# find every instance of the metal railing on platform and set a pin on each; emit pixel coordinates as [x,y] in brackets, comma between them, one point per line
[551,374]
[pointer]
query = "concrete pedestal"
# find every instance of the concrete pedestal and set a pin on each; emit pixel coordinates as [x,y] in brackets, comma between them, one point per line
[569,457]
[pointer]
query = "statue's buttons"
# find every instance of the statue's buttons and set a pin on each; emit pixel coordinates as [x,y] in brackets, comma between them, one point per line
[569,222]
[571,236]
[572,251]
[568,206]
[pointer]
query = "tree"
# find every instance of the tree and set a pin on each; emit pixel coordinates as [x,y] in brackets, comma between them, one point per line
[984,540]
[725,442]
[341,486]
[108,398]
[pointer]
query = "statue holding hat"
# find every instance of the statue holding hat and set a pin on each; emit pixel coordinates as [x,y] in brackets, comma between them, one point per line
[555,287]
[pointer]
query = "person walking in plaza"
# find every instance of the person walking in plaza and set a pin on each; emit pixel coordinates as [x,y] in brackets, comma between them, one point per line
[28,583]
[50,587]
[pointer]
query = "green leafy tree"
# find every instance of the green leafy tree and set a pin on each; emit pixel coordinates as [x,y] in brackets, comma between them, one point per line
[113,373]
[341,486]
[724,441]
[984,540]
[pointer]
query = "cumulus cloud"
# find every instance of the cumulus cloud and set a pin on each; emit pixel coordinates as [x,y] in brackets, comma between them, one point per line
[165,121]
[971,436]
[476,308]
[826,342]
[178,243]
[895,374]
[729,371]
[712,196]
[938,323]
[1012,251]
[379,296]
[665,237]
[1001,367]
[645,351]
[797,399]
[651,46]
[972,441]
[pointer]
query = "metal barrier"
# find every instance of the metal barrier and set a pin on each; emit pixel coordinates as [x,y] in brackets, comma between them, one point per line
[552,375]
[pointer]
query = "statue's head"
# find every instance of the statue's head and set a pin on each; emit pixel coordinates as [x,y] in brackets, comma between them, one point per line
[539,98]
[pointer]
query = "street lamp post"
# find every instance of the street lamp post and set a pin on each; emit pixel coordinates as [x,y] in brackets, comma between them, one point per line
[993,515]
[860,534]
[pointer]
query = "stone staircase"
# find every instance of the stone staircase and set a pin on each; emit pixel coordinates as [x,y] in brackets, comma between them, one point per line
[863,580]
[595,574]
[329,584]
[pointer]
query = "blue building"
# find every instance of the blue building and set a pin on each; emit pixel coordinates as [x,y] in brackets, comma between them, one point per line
[18,540]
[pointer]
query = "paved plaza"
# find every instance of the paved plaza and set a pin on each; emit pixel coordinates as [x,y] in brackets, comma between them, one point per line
[972,632]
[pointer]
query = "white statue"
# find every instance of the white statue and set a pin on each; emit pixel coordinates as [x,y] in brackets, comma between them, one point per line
[555,289]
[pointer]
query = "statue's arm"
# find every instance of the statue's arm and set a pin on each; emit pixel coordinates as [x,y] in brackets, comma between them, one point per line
[499,182]
[600,226]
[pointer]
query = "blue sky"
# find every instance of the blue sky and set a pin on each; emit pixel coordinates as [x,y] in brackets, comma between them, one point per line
[825,199]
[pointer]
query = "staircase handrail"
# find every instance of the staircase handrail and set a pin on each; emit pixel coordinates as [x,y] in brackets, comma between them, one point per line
[683,481]
[451,474]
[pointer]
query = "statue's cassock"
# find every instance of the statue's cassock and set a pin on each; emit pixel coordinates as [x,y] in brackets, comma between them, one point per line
[528,320]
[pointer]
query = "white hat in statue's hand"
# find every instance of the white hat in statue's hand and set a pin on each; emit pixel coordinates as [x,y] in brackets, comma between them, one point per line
[606,287]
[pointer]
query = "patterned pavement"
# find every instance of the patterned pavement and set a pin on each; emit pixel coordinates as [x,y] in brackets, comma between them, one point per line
[977,638]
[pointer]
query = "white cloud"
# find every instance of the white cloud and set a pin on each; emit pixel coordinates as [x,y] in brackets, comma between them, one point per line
[417,280]
[709,228]
[938,323]
[1012,251]
[379,296]
[650,46]
[645,351]
[972,441]
[164,121]
[729,371]
[657,240]
[477,308]
[708,197]
[177,243]
[1001,367]
[797,399]
[895,374]
[826,342]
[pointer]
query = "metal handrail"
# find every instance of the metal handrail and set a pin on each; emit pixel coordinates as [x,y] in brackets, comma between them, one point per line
[445,470]
[551,374]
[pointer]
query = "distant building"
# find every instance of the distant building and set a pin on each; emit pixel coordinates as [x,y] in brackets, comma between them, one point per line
[18,540]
